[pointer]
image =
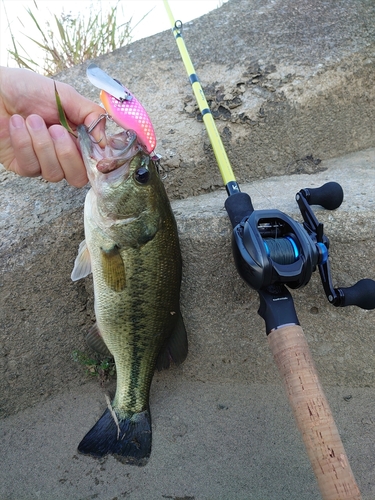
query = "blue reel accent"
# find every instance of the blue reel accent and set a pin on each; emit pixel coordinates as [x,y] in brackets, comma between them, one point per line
[323,253]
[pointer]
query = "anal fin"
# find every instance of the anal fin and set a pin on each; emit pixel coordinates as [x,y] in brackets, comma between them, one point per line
[96,342]
[176,348]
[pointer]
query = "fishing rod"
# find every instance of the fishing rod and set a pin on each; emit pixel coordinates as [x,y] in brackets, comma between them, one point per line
[271,251]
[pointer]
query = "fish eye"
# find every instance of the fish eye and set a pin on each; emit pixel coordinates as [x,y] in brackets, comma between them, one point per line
[142,175]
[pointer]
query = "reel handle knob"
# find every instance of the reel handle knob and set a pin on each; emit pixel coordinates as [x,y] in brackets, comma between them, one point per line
[362,294]
[329,196]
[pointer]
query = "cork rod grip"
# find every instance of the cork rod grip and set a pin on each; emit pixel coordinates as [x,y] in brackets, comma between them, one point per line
[313,415]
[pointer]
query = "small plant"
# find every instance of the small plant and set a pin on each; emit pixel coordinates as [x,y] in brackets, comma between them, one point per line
[68,41]
[103,368]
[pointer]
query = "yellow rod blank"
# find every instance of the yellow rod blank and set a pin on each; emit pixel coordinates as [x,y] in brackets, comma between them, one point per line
[213,134]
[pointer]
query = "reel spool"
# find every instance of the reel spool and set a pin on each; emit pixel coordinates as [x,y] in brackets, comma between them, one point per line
[282,250]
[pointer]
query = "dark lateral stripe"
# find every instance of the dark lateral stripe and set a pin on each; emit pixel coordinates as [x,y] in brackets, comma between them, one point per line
[193,78]
[205,111]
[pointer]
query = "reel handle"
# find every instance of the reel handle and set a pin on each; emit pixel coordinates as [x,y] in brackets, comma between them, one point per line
[312,413]
[329,196]
[362,294]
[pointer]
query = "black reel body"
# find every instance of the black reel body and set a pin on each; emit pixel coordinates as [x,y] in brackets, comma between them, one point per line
[270,247]
[272,250]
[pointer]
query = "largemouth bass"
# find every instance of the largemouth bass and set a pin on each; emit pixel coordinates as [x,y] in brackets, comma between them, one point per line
[132,249]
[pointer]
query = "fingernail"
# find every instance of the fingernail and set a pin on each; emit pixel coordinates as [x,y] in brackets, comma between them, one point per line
[35,122]
[57,132]
[17,121]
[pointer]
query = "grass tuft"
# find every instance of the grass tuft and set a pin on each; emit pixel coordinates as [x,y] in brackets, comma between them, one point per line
[66,41]
[102,368]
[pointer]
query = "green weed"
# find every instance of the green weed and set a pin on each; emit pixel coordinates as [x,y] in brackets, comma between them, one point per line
[102,368]
[66,41]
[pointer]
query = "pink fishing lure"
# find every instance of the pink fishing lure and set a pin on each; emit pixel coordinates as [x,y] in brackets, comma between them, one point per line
[131,115]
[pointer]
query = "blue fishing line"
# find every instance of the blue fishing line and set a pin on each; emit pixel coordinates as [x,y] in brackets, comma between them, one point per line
[281,250]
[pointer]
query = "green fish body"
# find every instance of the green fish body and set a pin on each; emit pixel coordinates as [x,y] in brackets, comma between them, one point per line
[132,249]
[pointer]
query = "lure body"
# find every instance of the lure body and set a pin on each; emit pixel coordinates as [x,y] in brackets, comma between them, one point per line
[123,107]
[131,115]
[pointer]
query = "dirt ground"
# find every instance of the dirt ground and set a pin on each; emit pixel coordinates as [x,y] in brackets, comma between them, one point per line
[211,441]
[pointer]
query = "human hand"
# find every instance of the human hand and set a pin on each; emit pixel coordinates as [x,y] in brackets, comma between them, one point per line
[32,141]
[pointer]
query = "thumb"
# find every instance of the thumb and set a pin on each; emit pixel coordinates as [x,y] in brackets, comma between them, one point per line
[80,110]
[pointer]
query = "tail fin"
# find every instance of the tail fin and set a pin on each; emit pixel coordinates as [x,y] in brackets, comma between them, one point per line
[128,439]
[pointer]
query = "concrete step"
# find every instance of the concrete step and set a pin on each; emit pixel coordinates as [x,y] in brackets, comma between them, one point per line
[212,440]
[44,316]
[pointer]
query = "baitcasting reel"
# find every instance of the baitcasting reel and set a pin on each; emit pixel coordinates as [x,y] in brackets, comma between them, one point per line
[271,249]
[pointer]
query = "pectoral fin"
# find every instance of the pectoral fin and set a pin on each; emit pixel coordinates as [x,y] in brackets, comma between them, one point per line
[82,264]
[113,268]
[176,348]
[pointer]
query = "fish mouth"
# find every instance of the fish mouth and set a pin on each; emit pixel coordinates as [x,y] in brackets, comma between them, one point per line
[119,150]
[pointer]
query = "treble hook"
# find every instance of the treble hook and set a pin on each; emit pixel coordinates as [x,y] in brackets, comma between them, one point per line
[98,120]
[95,123]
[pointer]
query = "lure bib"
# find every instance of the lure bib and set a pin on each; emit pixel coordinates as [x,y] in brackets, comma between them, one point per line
[131,115]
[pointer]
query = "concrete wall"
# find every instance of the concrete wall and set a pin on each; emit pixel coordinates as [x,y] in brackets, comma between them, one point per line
[292,88]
